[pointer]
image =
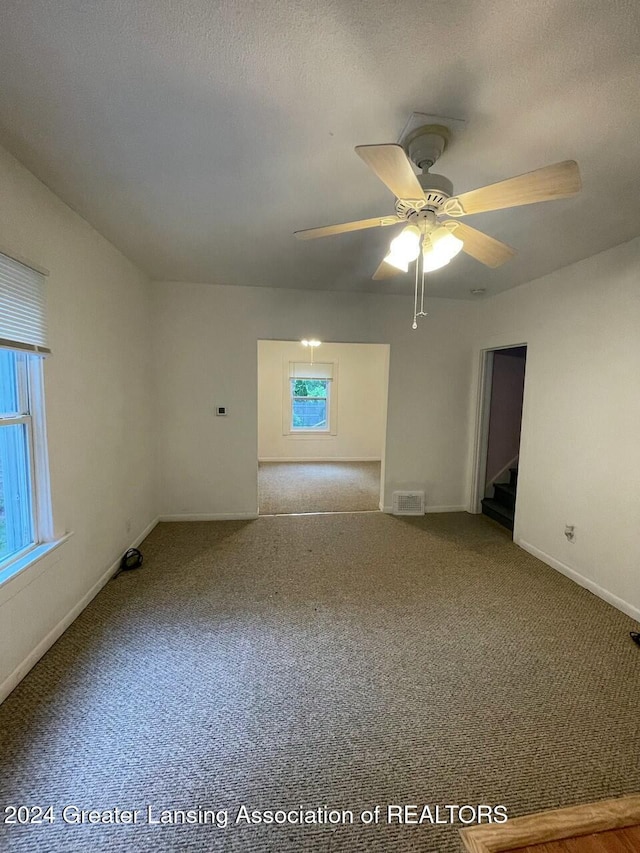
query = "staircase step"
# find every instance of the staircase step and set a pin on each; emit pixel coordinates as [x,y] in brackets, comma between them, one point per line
[513,476]
[505,493]
[498,512]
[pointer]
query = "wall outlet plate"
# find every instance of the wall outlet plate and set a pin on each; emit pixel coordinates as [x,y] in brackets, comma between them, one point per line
[221,410]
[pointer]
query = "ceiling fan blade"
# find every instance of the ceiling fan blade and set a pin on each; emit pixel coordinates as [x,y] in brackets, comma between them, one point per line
[560,180]
[329,230]
[487,250]
[392,166]
[385,270]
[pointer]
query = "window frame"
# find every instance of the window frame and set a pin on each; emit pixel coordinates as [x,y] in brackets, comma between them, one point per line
[288,429]
[31,402]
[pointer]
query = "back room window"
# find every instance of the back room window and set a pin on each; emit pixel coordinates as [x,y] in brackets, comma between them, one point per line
[309,405]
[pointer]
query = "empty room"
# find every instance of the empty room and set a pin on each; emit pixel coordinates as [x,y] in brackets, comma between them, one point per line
[319,407]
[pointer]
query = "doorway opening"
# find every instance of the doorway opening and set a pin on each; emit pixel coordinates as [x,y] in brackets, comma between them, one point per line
[500,424]
[322,415]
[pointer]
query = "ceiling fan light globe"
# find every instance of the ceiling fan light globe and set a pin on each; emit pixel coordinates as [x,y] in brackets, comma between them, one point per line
[406,245]
[445,243]
[397,261]
[432,261]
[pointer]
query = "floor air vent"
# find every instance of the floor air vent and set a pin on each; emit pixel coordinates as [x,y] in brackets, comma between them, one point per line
[408,503]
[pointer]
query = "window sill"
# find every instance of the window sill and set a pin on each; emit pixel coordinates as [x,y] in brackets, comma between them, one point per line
[18,568]
[325,433]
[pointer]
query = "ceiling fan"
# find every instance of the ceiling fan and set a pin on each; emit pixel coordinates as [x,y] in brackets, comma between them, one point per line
[432,235]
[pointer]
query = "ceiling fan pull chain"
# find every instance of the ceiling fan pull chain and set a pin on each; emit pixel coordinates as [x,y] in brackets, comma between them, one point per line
[415,296]
[422,313]
[420,276]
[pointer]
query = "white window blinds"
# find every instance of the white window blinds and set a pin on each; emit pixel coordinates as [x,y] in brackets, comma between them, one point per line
[304,370]
[23,321]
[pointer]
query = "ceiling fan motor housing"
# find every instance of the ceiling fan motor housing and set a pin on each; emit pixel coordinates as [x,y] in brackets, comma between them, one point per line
[437,189]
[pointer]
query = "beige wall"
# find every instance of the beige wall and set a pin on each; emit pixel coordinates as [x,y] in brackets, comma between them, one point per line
[579,452]
[359,401]
[98,406]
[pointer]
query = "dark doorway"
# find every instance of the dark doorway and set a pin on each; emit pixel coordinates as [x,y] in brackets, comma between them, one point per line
[503,442]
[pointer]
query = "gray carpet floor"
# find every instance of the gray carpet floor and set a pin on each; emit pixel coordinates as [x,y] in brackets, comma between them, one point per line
[285,487]
[343,660]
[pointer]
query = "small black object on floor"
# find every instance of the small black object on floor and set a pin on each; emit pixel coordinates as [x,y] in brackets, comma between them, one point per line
[635,636]
[501,507]
[131,560]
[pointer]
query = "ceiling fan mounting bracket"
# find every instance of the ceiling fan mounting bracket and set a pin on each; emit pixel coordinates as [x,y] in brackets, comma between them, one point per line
[425,145]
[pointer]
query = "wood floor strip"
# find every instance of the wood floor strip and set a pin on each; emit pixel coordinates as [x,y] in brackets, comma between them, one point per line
[554,826]
[626,840]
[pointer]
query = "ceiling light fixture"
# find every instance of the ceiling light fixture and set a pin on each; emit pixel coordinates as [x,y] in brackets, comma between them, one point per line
[427,201]
[430,247]
[431,259]
[312,344]
[445,244]
[404,248]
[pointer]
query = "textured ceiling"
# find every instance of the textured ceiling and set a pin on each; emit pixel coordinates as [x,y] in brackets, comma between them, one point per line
[197,136]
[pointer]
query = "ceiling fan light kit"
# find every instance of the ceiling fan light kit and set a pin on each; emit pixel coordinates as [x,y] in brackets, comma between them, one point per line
[443,244]
[425,202]
[404,248]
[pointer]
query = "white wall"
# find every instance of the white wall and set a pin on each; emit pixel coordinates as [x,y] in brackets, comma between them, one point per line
[118,346]
[206,355]
[358,401]
[580,447]
[98,405]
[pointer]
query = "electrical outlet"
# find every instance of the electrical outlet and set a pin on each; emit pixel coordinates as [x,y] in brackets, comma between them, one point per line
[570,532]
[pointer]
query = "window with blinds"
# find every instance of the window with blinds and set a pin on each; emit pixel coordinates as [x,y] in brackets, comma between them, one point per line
[25,506]
[23,319]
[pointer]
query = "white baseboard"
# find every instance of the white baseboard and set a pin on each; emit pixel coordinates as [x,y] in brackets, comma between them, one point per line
[593,587]
[142,536]
[12,681]
[211,516]
[319,459]
[430,509]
